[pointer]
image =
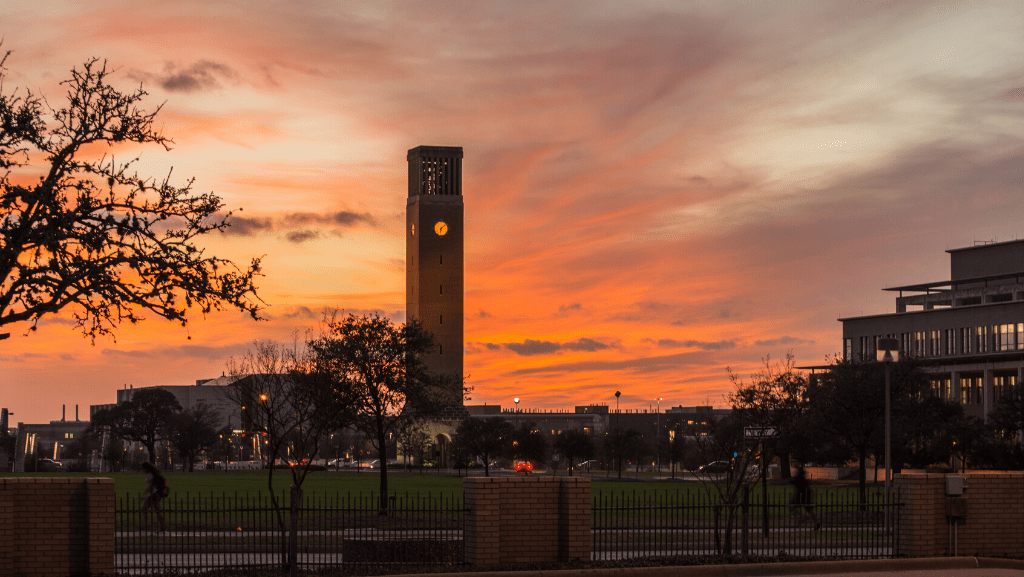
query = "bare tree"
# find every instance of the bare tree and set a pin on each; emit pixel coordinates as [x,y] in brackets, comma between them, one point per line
[92,235]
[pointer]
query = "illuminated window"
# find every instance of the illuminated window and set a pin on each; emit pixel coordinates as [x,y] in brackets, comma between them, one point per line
[981,339]
[970,390]
[1003,385]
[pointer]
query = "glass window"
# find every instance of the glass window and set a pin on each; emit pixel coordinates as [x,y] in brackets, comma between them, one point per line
[1003,385]
[950,342]
[965,341]
[919,344]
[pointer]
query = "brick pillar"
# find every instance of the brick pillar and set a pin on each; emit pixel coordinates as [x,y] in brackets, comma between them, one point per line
[100,494]
[526,519]
[56,526]
[574,533]
[482,536]
[6,530]
[923,526]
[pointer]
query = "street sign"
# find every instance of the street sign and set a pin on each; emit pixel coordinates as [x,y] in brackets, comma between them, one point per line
[760,432]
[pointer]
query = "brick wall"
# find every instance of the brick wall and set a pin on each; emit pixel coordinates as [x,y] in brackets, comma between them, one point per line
[992,526]
[56,526]
[526,519]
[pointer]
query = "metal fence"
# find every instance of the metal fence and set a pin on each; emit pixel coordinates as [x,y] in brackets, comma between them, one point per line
[242,530]
[652,524]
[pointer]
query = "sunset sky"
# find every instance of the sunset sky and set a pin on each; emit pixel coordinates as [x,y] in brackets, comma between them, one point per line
[654,190]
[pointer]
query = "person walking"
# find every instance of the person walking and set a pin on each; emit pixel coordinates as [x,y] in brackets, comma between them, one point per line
[156,490]
[803,496]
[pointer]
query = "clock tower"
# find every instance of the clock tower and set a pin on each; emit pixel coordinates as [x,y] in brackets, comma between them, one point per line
[433,252]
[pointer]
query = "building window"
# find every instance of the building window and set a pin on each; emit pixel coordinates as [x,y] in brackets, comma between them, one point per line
[981,342]
[441,289]
[442,259]
[940,387]
[905,343]
[919,344]
[440,319]
[1003,385]
[847,349]
[440,349]
[970,390]
[950,342]
[1020,335]
[965,341]
[1005,336]
[933,344]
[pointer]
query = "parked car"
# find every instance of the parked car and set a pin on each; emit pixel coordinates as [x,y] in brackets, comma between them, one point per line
[524,467]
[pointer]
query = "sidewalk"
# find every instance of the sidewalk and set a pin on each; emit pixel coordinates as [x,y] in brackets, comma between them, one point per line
[928,567]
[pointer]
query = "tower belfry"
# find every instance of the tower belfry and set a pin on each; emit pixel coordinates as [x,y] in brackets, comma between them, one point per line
[434,252]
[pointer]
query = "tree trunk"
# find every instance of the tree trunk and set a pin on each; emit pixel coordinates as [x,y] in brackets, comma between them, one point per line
[382,455]
[862,475]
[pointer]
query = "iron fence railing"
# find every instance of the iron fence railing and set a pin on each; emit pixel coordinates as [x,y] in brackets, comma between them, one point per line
[320,530]
[688,523]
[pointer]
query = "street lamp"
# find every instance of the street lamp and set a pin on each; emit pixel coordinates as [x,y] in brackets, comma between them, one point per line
[888,350]
[657,435]
[516,400]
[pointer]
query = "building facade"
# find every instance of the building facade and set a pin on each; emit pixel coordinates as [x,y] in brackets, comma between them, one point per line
[967,331]
[434,253]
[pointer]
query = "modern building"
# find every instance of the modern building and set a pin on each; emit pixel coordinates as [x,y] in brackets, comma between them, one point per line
[45,441]
[967,331]
[209,392]
[434,253]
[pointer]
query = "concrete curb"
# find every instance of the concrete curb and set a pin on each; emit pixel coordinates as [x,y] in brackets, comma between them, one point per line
[763,569]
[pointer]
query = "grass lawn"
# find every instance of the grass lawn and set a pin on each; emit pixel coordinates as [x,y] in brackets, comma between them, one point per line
[252,482]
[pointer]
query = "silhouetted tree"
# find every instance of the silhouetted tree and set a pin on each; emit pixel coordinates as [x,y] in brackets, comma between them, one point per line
[529,444]
[574,445]
[193,431]
[92,235]
[414,442]
[485,439]
[378,366]
[142,419]
[775,397]
[846,409]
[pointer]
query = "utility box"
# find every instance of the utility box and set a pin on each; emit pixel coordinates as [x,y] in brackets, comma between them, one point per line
[955,485]
[956,507]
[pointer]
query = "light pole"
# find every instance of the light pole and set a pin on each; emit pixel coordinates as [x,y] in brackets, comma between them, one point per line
[888,350]
[657,436]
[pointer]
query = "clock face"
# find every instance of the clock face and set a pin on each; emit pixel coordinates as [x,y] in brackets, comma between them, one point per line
[441,228]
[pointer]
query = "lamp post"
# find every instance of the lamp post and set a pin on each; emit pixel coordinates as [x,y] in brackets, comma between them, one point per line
[516,401]
[888,350]
[657,436]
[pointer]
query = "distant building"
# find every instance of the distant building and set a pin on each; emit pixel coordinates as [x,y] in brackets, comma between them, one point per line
[45,441]
[967,331]
[209,392]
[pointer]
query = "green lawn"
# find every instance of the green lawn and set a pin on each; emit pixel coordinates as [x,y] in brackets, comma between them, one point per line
[252,482]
